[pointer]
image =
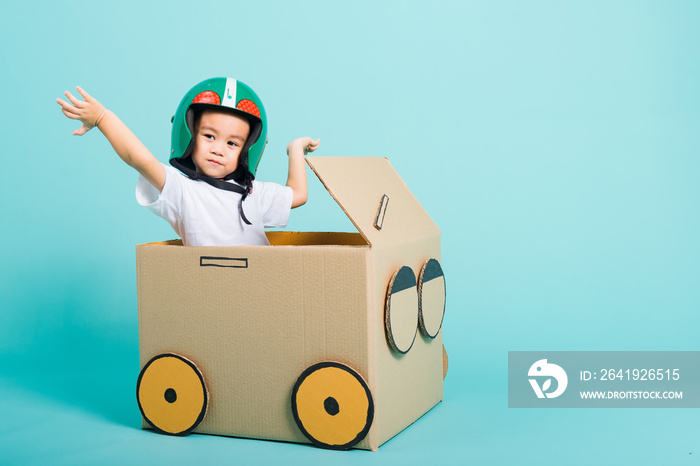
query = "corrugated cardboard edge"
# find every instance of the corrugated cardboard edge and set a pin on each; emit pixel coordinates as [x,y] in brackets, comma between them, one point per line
[309,162]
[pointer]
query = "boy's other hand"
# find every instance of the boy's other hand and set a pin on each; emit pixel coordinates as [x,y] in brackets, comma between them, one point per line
[88,111]
[305,144]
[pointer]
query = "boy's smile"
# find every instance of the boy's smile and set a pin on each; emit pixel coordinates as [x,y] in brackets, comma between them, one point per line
[218,140]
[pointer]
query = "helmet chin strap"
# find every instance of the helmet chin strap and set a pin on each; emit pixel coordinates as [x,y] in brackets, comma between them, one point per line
[221,184]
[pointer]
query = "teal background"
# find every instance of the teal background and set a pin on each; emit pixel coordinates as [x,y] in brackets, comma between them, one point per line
[555,145]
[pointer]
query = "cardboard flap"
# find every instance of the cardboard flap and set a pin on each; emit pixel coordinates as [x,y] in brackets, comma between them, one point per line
[374,197]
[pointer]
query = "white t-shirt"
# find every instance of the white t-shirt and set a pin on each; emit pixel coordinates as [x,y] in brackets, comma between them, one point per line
[203,215]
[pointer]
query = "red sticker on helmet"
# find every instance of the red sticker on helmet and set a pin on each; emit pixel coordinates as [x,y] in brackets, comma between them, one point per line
[207,97]
[249,107]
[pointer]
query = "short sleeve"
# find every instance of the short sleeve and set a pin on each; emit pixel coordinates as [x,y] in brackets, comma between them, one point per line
[167,203]
[275,203]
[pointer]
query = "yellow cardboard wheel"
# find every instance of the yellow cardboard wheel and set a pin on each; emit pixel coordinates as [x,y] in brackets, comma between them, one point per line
[332,405]
[171,394]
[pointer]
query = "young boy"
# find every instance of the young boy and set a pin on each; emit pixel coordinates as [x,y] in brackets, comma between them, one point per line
[219,133]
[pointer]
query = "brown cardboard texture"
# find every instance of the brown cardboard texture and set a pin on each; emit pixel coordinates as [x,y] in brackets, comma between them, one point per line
[306,340]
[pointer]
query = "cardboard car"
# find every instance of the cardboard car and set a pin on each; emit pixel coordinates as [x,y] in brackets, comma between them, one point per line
[327,338]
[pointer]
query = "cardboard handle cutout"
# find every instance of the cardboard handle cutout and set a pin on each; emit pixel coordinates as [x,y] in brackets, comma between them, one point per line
[379,219]
[234,262]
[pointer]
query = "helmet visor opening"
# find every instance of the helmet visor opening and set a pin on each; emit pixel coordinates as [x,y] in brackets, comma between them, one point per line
[195,110]
[192,116]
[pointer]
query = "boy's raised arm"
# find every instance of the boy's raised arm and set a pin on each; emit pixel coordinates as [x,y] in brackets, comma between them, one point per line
[296,179]
[92,114]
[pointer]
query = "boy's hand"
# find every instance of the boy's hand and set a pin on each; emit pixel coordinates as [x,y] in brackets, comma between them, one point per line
[89,111]
[296,150]
[304,144]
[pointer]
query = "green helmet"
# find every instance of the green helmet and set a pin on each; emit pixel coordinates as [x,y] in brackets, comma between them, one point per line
[230,95]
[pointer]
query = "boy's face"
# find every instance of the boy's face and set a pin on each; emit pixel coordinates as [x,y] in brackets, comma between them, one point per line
[218,140]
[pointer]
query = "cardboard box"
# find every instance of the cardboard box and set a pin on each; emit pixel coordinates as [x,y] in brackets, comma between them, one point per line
[318,338]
